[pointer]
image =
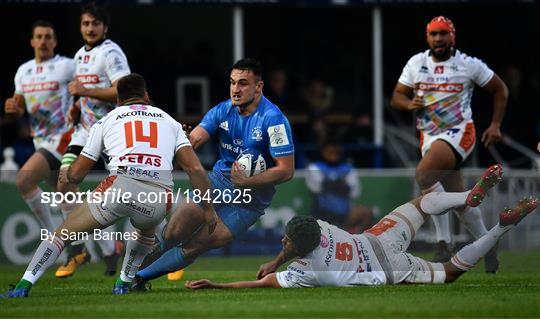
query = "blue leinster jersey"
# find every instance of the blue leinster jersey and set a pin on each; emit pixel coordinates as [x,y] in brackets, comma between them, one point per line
[266,129]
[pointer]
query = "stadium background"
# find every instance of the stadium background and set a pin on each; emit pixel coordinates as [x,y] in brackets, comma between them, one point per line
[328,41]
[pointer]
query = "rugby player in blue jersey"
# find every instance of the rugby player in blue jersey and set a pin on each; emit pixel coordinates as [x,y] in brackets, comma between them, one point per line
[246,120]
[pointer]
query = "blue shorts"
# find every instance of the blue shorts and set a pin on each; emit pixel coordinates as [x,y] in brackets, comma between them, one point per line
[238,218]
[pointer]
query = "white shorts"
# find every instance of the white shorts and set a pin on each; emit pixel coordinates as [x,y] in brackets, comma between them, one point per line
[395,232]
[79,137]
[56,144]
[461,137]
[143,214]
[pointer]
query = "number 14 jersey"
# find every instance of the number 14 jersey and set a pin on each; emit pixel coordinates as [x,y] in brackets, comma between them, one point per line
[140,141]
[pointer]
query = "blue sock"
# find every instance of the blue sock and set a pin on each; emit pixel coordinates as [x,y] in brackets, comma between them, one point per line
[170,261]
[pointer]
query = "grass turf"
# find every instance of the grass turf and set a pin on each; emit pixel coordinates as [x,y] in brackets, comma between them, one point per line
[513,293]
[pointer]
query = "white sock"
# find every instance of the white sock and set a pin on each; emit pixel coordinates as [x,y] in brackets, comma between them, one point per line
[136,251]
[41,210]
[441,222]
[106,243]
[436,203]
[469,255]
[45,256]
[472,220]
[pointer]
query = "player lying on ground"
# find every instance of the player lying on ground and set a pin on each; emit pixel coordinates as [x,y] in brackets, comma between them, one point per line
[130,176]
[328,256]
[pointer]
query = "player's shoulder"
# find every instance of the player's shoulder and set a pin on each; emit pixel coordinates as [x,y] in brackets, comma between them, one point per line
[466,59]
[110,46]
[26,65]
[269,109]
[63,60]
[418,58]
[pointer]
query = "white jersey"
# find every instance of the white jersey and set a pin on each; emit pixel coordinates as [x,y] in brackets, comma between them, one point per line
[45,90]
[140,141]
[341,259]
[447,88]
[99,67]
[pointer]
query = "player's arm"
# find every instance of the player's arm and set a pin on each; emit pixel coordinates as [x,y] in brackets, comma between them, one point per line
[14,107]
[104,94]
[271,267]
[79,169]
[198,137]
[269,281]
[283,171]
[188,161]
[403,98]
[499,90]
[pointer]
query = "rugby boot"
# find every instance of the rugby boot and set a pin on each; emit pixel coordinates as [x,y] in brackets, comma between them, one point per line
[489,179]
[515,215]
[121,287]
[139,284]
[72,263]
[13,292]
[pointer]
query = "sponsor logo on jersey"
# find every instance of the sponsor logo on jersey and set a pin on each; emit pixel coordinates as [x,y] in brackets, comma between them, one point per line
[142,158]
[423,69]
[440,87]
[362,255]
[238,142]
[257,134]
[439,70]
[291,268]
[230,147]
[88,78]
[224,125]
[41,86]
[324,241]
[278,136]
[138,107]
[139,113]
[86,59]
[330,251]
[39,69]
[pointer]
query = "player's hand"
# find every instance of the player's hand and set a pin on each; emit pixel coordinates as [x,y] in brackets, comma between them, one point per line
[11,107]
[416,103]
[62,176]
[211,220]
[265,269]
[491,135]
[238,176]
[74,113]
[187,129]
[199,284]
[76,88]
[538,147]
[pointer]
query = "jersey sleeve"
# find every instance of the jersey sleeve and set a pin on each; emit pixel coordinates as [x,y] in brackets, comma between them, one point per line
[407,75]
[480,72]
[94,145]
[181,138]
[18,81]
[116,64]
[211,120]
[69,69]
[297,275]
[280,139]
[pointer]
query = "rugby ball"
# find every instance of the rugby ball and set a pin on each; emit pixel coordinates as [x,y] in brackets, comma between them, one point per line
[251,162]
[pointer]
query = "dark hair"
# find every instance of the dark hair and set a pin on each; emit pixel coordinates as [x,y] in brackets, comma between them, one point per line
[131,86]
[99,12]
[249,64]
[43,23]
[304,232]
